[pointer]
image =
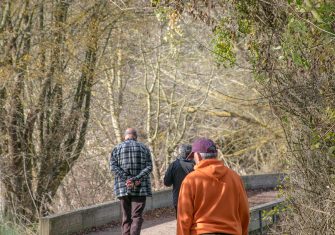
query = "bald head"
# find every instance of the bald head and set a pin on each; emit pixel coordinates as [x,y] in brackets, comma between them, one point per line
[130,133]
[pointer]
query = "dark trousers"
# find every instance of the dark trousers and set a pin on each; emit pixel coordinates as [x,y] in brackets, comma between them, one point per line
[132,209]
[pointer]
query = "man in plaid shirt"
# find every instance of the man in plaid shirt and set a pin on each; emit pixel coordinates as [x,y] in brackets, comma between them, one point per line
[131,164]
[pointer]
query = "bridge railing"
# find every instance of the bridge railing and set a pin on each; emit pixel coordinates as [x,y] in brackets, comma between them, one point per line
[264,215]
[105,213]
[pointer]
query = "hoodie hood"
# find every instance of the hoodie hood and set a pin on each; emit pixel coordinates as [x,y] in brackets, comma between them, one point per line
[213,168]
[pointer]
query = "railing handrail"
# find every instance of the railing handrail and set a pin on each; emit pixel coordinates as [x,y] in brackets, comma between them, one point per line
[267,205]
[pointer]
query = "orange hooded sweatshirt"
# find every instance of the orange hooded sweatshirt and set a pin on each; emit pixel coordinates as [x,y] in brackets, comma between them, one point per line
[212,199]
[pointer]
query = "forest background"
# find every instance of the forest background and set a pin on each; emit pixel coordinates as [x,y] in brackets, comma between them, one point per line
[257,77]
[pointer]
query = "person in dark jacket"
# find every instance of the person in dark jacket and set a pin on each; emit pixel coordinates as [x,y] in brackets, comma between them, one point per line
[131,164]
[178,170]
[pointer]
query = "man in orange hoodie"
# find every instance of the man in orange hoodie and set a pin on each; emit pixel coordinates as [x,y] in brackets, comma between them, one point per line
[212,198]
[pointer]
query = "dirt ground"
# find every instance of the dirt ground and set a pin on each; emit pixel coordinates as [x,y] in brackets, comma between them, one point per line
[162,221]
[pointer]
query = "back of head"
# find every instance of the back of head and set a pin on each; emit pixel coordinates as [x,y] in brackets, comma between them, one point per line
[184,150]
[205,147]
[130,133]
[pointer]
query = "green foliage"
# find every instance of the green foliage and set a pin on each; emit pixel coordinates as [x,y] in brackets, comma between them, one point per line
[298,59]
[292,52]
[155,3]
[244,6]
[296,35]
[324,141]
[285,119]
[244,26]
[330,114]
[329,142]
[260,78]
[297,27]
[327,14]
[316,140]
[322,12]
[267,215]
[223,46]
[254,55]
[162,13]
[298,2]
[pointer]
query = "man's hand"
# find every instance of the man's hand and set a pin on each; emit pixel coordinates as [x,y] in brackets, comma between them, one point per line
[129,183]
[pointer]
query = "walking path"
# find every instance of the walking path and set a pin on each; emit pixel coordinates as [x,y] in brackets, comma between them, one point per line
[163,221]
[161,226]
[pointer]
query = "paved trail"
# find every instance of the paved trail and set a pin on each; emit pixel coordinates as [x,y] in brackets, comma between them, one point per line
[161,226]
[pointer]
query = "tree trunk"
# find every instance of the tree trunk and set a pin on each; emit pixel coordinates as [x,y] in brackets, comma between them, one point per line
[43,136]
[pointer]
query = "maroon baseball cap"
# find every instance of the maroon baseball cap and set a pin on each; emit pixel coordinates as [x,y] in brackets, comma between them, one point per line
[202,145]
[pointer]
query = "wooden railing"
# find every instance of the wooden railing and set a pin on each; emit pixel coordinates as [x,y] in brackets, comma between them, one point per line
[264,215]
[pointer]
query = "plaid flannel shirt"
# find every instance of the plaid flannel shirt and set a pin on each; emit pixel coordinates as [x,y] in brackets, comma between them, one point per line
[131,159]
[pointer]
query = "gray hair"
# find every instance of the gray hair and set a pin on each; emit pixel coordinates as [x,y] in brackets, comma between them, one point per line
[184,150]
[208,155]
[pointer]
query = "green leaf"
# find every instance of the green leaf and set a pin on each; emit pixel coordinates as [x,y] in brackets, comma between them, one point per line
[315,146]
[331,151]
[299,2]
